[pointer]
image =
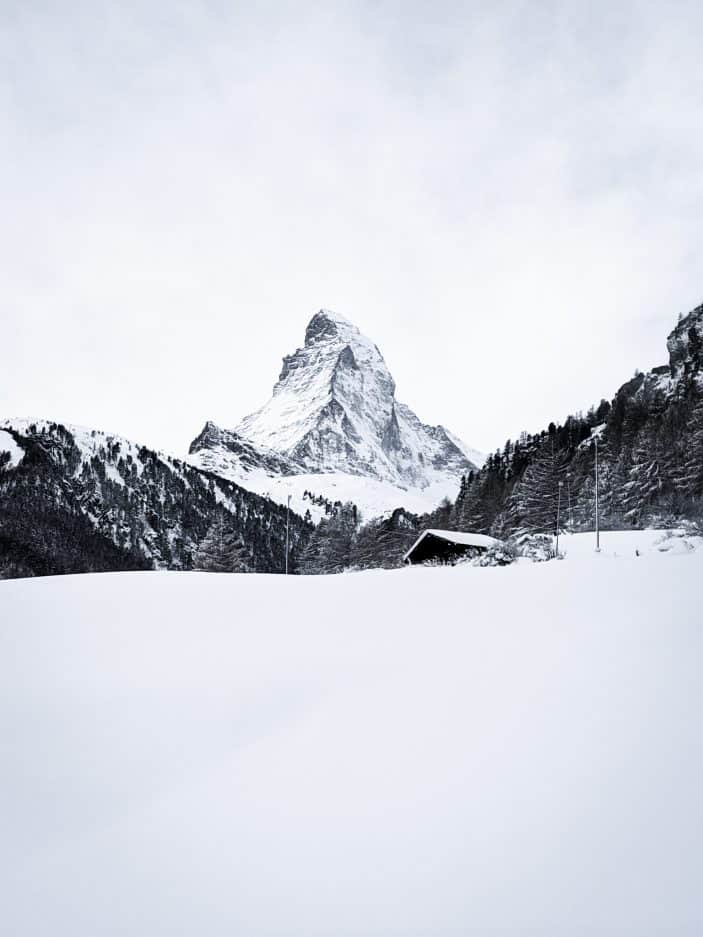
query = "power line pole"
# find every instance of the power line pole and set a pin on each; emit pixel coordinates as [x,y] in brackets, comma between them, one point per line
[287,531]
[568,492]
[561,485]
[597,517]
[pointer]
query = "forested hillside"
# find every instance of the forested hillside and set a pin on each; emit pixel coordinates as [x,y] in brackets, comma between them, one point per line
[650,451]
[82,501]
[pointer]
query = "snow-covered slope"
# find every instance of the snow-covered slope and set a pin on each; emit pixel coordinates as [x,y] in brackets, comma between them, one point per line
[333,412]
[91,443]
[373,497]
[625,544]
[426,751]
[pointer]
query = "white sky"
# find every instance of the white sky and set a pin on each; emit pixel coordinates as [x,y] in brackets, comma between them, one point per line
[506,197]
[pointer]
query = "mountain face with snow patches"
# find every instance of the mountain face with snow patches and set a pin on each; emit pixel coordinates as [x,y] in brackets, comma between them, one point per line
[333,420]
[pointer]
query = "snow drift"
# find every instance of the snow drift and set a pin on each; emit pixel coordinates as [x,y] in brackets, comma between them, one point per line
[428,751]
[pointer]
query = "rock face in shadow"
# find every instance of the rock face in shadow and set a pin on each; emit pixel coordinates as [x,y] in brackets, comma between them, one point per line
[685,345]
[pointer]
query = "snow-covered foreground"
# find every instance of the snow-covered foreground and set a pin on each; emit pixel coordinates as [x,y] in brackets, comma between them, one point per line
[618,544]
[435,752]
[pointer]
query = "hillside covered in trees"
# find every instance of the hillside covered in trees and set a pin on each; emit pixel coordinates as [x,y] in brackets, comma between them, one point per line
[82,501]
[650,452]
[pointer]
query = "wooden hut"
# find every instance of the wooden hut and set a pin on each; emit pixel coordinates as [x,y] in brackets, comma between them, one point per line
[447,546]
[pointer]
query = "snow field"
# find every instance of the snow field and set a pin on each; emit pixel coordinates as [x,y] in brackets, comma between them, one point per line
[372,496]
[623,544]
[509,751]
[8,444]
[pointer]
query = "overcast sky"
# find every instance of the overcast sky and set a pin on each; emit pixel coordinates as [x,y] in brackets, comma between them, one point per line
[506,197]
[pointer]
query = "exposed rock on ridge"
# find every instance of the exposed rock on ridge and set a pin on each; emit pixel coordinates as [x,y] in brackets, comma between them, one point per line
[685,345]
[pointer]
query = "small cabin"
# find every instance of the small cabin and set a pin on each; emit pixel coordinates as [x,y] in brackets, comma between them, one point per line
[447,546]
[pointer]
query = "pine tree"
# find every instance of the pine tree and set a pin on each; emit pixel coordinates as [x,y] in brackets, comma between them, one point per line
[310,558]
[221,550]
[383,541]
[644,481]
[329,548]
[534,502]
[689,477]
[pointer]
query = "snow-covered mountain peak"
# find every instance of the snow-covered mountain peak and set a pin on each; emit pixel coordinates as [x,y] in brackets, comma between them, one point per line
[328,324]
[333,410]
[329,329]
[334,391]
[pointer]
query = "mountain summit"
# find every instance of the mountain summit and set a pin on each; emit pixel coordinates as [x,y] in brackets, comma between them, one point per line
[333,410]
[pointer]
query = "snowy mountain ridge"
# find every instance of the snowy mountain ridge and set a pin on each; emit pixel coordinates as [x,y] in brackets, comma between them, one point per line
[333,412]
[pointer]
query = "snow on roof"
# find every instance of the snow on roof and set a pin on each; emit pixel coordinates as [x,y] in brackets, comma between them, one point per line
[455,536]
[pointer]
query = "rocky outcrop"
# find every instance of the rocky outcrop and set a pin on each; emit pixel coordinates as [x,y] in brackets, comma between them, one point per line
[215,444]
[685,345]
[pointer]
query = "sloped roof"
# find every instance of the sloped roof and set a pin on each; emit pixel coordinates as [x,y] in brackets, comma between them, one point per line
[455,536]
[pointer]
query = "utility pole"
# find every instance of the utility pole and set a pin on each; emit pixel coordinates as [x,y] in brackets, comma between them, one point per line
[597,517]
[287,531]
[561,485]
[568,493]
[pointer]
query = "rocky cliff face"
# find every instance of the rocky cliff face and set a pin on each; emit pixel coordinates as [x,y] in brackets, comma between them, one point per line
[333,410]
[218,448]
[685,346]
